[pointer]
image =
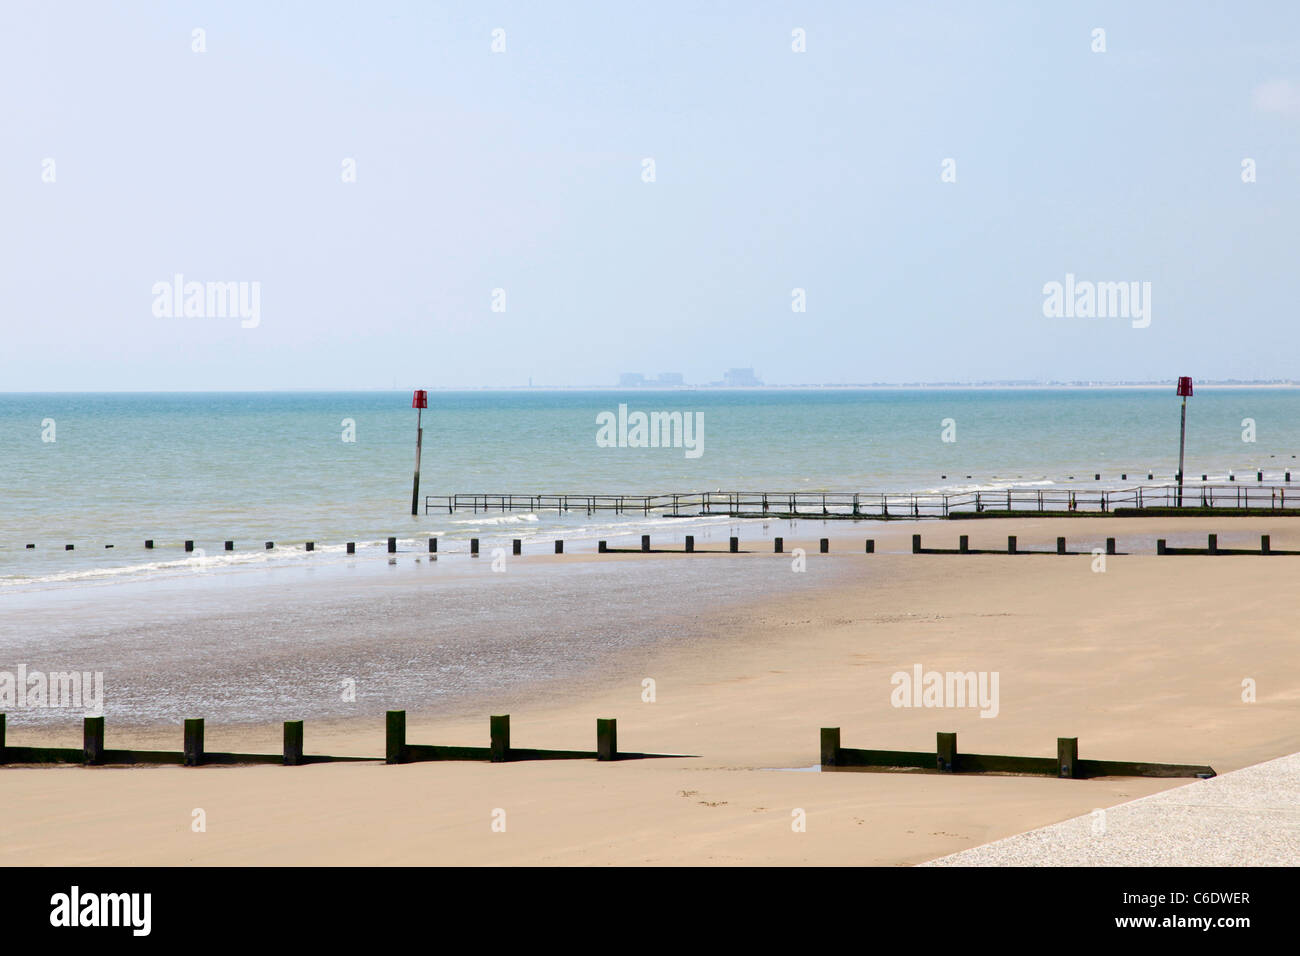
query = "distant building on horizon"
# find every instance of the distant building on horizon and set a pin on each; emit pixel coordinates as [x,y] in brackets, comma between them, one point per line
[740,376]
[671,378]
[630,380]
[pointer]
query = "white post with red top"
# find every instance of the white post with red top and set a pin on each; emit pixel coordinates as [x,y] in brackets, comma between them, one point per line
[419,401]
[1185,390]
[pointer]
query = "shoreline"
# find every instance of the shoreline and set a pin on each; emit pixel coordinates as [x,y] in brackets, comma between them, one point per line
[169,563]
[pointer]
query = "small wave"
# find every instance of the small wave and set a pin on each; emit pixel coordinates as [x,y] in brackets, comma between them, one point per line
[498,520]
[987,486]
[198,562]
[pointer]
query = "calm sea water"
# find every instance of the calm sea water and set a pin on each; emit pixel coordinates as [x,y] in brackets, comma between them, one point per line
[253,467]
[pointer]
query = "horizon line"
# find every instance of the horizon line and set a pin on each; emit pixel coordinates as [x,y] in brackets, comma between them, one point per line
[866,386]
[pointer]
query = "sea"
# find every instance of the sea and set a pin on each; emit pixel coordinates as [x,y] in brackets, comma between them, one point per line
[104,472]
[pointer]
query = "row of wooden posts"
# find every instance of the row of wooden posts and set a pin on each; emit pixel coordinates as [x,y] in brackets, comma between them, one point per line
[93,751]
[963,547]
[945,759]
[1212,547]
[824,545]
[270,545]
[688,546]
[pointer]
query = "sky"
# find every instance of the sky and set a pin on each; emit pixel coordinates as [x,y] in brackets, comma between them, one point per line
[921,171]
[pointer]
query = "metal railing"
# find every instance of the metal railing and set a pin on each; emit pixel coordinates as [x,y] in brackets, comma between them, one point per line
[843,504]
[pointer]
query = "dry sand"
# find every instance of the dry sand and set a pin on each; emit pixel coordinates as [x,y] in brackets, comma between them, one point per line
[1142,662]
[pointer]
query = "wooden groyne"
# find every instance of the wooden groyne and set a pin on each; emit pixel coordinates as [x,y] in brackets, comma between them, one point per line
[824,547]
[947,759]
[499,749]
[1237,498]
[193,753]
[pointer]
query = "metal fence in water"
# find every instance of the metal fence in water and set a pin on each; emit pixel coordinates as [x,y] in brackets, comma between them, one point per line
[843,504]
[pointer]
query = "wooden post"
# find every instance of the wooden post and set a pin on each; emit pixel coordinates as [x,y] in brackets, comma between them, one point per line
[352,547]
[946,752]
[690,543]
[68,547]
[311,545]
[1110,545]
[735,545]
[392,545]
[1067,757]
[1160,545]
[606,739]
[230,546]
[189,545]
[645,542]
[1011,544]
[602,547]
[778,545]
[1060,546]
[3,757]
[1214,544]
[92,735]
[824,546]
[433,545]
[500,730]
[1265,544]
[193,741]
[916,544]
[871,546]
[963,544]
[148,545]
[292,743]
[473,547]
[270,545]
[559,546]
[395,736]
[516,546]
[830,747]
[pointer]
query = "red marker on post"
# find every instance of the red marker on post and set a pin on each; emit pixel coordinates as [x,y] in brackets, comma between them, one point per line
[420,400]
[1185,390]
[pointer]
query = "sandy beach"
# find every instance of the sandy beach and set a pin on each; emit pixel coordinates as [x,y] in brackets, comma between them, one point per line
[1144,661]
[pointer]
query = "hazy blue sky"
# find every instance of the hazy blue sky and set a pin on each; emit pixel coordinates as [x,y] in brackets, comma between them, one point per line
[522,170]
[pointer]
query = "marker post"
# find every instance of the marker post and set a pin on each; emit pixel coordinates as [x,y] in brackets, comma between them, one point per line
[1185,390]
[419,401]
